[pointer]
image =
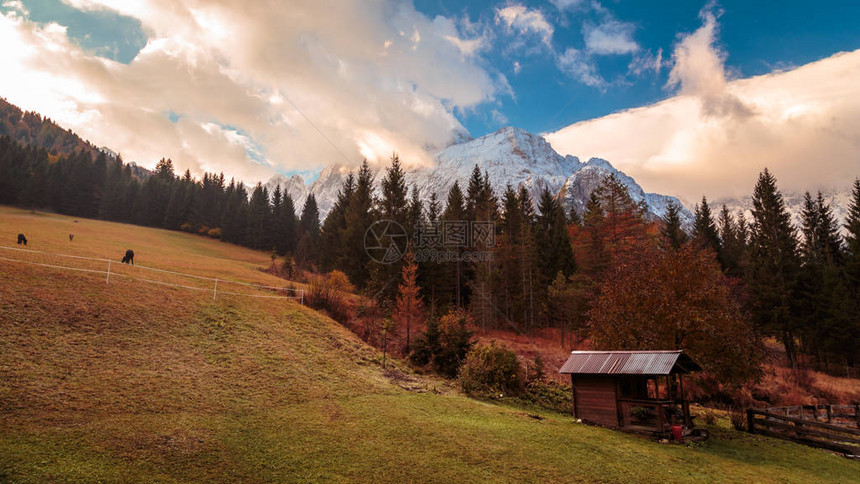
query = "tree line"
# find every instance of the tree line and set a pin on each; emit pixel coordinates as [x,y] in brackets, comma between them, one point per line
[743,279]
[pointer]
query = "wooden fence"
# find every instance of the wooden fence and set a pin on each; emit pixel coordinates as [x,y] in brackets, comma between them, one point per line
[832,427]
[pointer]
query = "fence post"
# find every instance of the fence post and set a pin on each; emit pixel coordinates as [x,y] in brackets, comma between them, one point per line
[107,281]
[857,415]
[215,290]
[302,302]
[750,421]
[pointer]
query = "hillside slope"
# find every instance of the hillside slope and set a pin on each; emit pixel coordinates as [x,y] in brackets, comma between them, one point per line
[136,382]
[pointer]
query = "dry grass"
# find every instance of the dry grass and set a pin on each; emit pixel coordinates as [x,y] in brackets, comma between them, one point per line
[134,382]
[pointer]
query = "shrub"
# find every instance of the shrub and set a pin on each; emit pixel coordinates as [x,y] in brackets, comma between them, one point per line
[214,233]
[491,370]
[550,395]
[328,291]
[535,372]
[444,344]
[709,416]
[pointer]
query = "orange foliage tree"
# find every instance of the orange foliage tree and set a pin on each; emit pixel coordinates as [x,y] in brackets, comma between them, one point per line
[409,308]
[680,299]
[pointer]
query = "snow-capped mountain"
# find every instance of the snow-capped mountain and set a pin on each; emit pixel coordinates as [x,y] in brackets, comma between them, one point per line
[509,156]
[838,199]
[294,185]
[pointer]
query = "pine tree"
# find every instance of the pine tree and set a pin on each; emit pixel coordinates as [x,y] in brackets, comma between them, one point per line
[332,238]
[850,306]
[774,264]
[820,288]
[733,241]
[453,218]
[309,228]
[394,191]
[358,217]
[259,219]
[552,241]
[672,232]
[705,229]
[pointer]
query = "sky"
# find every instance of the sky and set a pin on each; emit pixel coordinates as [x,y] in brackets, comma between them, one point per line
[687,97]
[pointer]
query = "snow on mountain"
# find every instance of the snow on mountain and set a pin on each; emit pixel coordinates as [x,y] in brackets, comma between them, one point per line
[509,156]
[578,188]
[294,186]
[838,199]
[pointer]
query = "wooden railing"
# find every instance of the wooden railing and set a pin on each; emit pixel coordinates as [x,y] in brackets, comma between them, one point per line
[818,430]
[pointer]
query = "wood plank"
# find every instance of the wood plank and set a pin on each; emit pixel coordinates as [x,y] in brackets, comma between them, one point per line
[837,428]
[804,429]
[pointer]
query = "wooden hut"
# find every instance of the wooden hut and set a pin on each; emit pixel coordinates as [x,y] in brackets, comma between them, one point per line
[638,391]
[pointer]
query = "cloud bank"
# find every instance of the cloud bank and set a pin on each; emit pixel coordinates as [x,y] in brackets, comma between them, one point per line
[255,87]
[715,135]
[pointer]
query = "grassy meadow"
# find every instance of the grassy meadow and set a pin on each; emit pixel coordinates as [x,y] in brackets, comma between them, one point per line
[140,382]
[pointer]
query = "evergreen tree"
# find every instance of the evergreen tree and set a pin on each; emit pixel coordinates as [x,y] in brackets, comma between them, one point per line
[454,218]
[359,218]
[553,243]
[733,241]
[672,232]
[394,191]
[258,229]
[705,229]
[849,310]
[774,265]
[820,288]
[309,230]
[333,237]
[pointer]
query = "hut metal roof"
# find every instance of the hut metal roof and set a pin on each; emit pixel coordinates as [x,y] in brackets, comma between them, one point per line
[629,363]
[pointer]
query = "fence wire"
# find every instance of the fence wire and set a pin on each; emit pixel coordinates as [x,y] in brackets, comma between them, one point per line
[297,294]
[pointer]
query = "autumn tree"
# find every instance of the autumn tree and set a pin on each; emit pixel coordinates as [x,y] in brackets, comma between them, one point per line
[409,308]
[676,300]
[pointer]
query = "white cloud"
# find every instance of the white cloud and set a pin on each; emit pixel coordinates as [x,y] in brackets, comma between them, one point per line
[646,61]
[804,124]
[579,66]
[369,76]
[610,37]
[699,70]
[566,4]
[525,20]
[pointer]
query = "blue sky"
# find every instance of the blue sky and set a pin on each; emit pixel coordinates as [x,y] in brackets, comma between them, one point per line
[759,36]
[667,91]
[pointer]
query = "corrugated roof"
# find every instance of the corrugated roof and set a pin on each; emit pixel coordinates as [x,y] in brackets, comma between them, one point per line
[629,363]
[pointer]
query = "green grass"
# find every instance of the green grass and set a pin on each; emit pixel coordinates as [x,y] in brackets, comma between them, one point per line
[133,382]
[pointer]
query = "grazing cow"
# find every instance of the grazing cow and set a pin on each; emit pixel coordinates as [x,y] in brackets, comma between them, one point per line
[22,239]
[129,257]
[71,236]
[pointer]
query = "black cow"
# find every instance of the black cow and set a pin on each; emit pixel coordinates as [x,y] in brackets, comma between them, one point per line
[22,239]
[129,257]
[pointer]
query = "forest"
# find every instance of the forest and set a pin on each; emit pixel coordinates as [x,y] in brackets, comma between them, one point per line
[609,274]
